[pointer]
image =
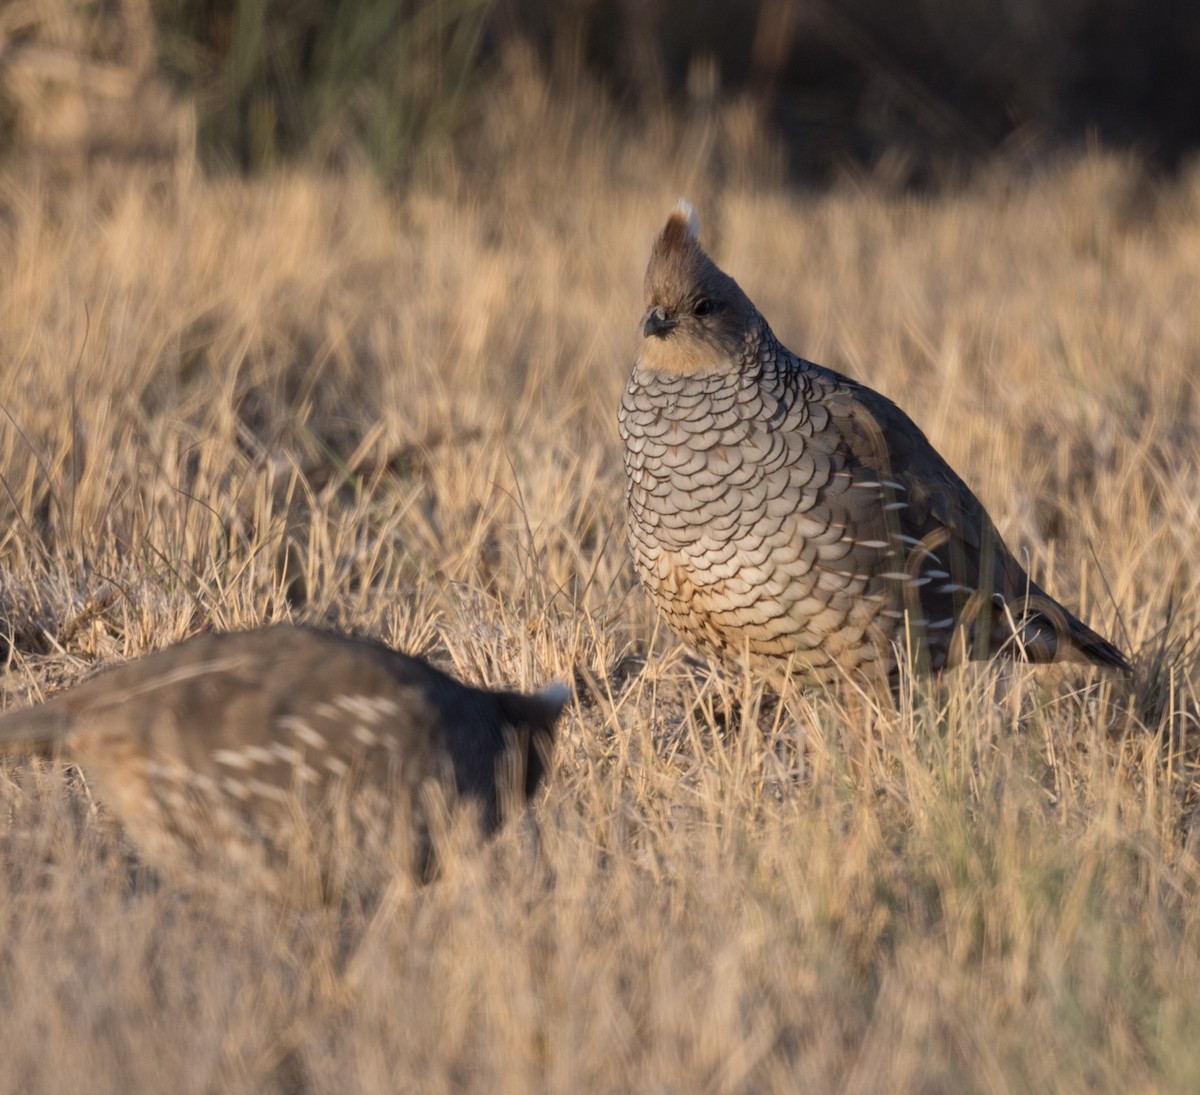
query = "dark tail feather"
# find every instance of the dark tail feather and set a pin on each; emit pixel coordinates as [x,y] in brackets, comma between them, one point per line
[1096,649]
[1051,632]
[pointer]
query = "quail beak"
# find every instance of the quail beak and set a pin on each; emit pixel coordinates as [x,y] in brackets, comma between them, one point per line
[656,322]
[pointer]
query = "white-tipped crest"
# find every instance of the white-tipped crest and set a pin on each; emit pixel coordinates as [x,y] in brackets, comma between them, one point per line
[688,211]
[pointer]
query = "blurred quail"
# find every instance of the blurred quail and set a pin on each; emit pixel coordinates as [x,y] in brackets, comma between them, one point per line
[227,747]
[781,510]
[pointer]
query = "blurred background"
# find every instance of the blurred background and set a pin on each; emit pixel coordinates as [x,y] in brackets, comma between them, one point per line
[909,92]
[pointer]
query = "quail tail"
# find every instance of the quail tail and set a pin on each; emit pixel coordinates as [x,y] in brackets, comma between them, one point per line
[1072,639]
[35,731]
[1096,649]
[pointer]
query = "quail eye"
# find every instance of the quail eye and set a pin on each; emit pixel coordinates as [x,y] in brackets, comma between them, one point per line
[705,307]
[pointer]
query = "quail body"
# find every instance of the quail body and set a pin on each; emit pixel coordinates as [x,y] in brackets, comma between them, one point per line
[229,748]
[780,511]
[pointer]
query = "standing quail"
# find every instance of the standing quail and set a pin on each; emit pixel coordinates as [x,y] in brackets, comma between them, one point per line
[780,510]
[226,748]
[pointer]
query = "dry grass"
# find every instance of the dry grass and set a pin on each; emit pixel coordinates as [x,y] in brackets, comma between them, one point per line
[226,402]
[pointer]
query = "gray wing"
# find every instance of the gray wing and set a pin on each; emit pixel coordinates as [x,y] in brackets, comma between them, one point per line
[949,568]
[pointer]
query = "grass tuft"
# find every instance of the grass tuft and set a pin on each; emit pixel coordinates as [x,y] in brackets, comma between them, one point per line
[226,402]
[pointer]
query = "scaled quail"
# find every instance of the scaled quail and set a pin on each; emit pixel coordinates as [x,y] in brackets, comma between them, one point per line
[780,510]
[228,748]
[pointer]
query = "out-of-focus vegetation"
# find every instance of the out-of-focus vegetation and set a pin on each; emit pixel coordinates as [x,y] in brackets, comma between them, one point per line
[275,78]
[909,92]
